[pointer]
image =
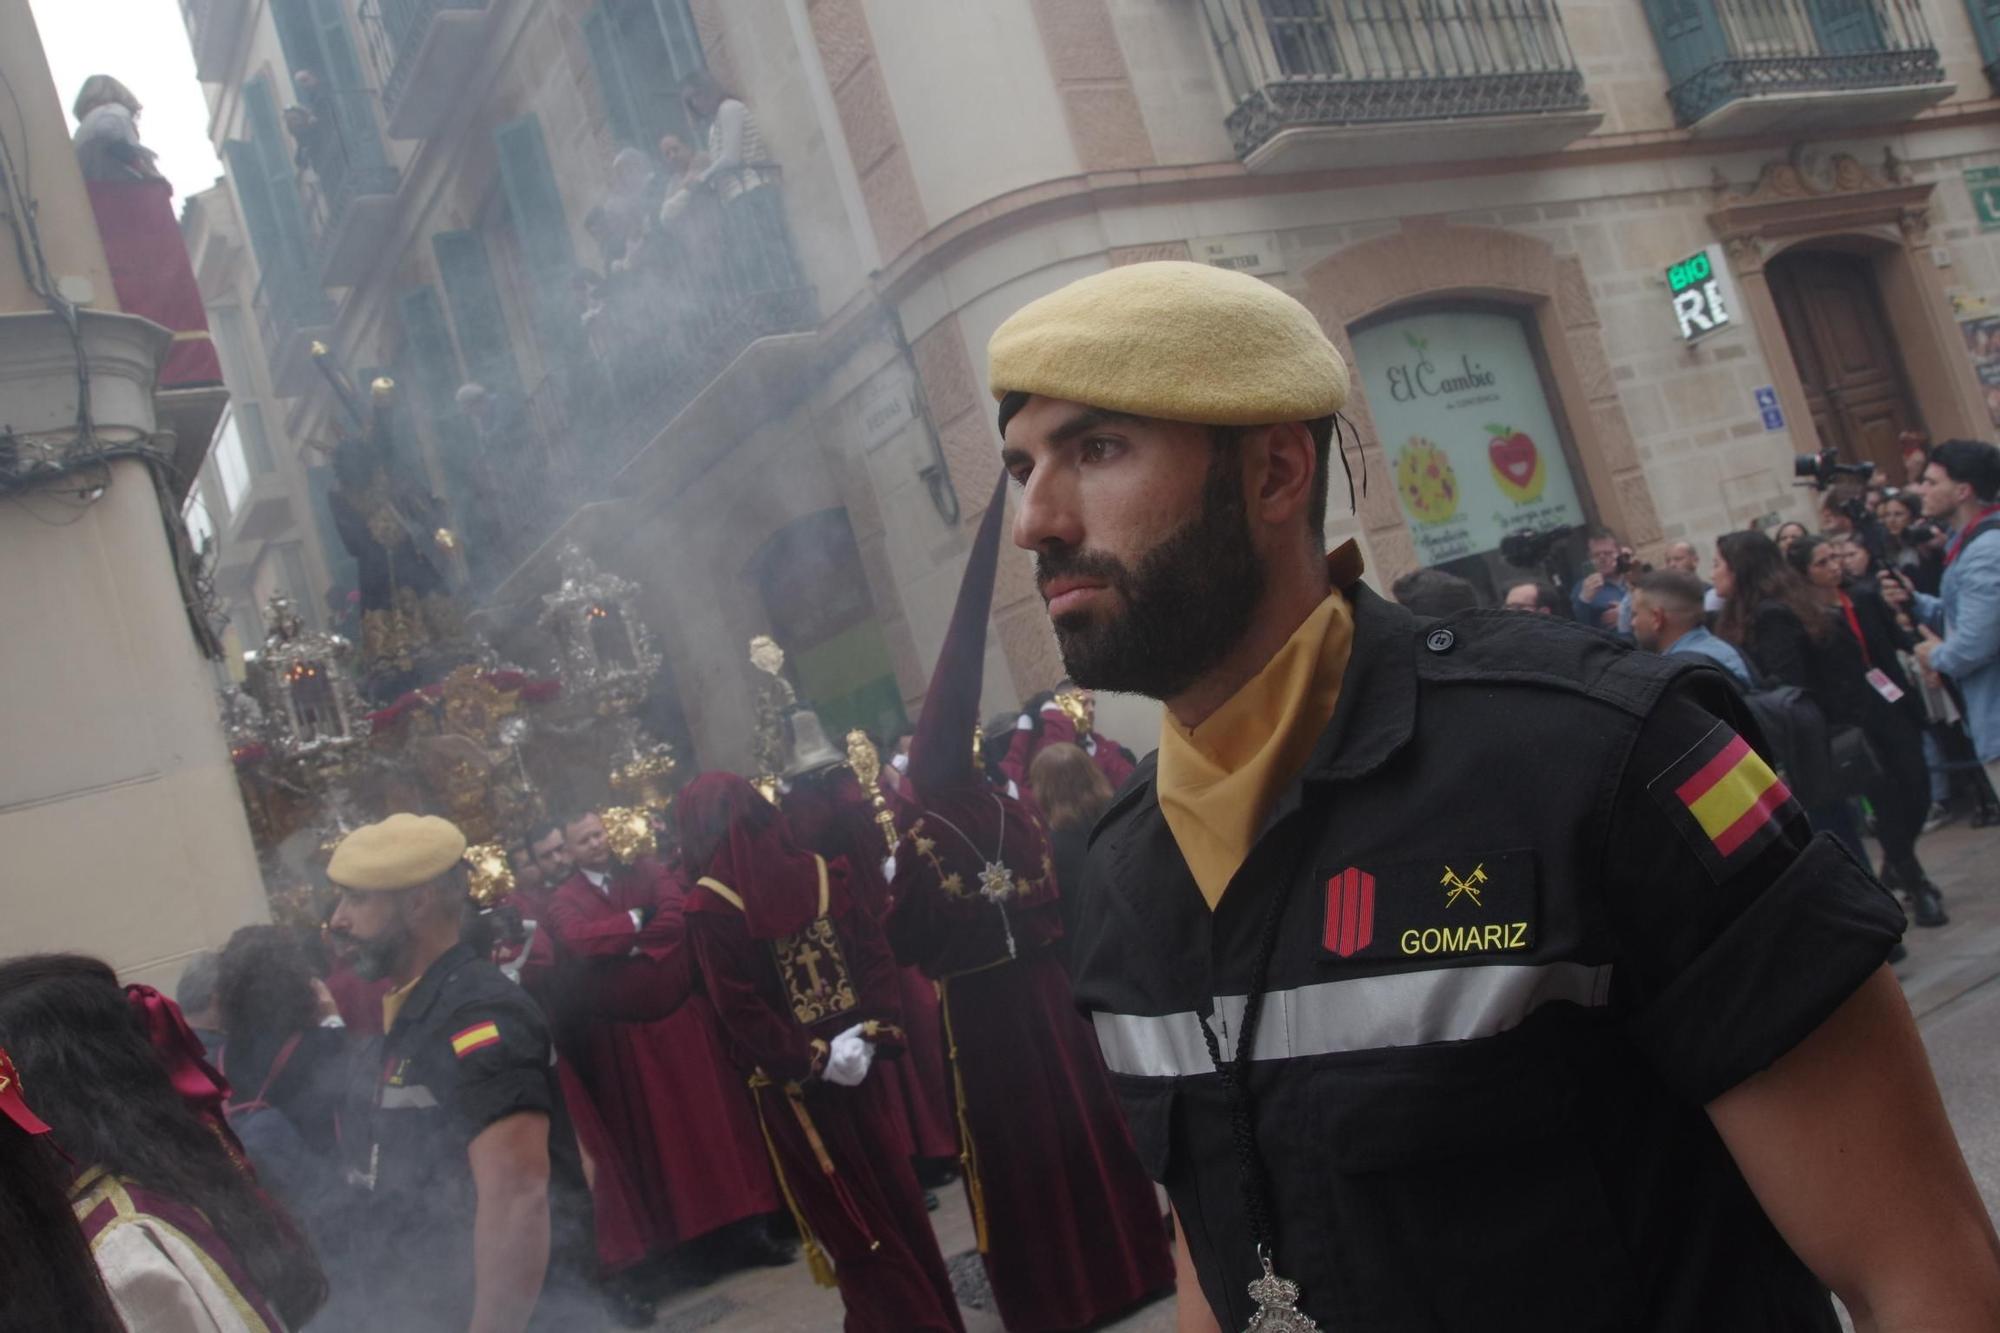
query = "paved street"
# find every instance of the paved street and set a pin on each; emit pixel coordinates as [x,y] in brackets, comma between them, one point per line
[1952,977]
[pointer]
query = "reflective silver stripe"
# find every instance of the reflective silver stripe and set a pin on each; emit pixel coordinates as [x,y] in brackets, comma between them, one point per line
[1359,1014]
[415,1097]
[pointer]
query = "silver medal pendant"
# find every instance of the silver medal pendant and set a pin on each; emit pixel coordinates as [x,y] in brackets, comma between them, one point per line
[1277,1305]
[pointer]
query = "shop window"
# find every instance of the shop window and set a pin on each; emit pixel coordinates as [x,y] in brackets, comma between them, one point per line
[1472,433]
[816,593]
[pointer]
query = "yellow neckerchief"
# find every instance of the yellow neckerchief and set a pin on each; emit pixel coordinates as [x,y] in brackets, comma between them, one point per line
[1217,783]
[392,1001]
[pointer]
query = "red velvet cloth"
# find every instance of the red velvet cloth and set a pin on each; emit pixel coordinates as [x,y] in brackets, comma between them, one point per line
[1037,1099]
[682,1121]
[152,276]
[868,1213]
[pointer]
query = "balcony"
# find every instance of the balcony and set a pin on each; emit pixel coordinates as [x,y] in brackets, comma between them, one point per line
[1795,66]
[214,28]
[349,189]
[1321,84]
[424,53]
[292,314]
[709,330]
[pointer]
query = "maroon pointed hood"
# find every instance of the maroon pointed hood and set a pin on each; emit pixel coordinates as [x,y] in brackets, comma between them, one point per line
[941,750]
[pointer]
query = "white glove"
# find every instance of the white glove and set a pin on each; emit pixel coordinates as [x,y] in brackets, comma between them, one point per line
[1025,722]
[900,762]
[888,870]
[848,1058]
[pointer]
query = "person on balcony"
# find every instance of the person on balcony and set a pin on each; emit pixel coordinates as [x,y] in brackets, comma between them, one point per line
[134,208]
[745,179]
[107,133]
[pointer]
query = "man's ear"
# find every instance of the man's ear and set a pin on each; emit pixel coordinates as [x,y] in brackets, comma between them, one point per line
[1288,476]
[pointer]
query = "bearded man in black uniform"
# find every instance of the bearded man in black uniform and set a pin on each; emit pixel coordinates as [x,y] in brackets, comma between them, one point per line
[1424,1021]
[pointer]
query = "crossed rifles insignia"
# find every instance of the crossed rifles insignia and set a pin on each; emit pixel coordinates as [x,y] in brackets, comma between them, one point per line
[1464,887]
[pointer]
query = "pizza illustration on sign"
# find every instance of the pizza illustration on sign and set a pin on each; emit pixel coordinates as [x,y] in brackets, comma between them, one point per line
[1426,480]
[1518,468]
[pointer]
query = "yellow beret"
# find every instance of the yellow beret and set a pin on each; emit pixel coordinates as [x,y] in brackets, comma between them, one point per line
[401,852]
[1179,341]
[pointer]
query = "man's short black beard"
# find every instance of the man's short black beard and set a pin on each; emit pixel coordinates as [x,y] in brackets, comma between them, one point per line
[380,957]
[1188,602]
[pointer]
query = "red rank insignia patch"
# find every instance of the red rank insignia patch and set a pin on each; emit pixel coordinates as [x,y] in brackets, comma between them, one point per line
[1727,801]
[1350,912]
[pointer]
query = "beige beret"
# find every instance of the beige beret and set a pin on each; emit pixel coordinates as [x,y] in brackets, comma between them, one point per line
[401,852]
[1179,341]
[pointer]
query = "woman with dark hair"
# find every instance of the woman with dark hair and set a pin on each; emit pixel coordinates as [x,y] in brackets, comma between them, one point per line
[1796,638]
[1920,561]
[1072,792]
[184,1237]
[47,1277]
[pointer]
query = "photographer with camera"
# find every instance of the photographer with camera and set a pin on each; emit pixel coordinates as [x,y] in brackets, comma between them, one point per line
[1600,594]
[1961,625]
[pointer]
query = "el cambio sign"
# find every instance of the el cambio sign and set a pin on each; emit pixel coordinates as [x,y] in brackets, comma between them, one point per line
[1457,397]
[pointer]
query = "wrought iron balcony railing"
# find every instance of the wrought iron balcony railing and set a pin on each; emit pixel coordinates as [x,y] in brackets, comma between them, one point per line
[1361,62]
[419,50]
[1722,51]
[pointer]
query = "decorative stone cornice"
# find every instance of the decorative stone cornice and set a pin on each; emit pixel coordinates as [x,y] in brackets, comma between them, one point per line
[38,374]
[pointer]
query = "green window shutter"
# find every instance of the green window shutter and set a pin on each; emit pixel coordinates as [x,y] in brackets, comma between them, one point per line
[683,43]
[353,102]
[601,34]
[533,198]
[260,113]
[476,313]
[298,35]
[431,354]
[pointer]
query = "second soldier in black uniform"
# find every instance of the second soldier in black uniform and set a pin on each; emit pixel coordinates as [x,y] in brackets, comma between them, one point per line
[473,1213]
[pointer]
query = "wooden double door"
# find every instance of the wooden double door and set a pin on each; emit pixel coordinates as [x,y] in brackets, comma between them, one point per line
[1846,354]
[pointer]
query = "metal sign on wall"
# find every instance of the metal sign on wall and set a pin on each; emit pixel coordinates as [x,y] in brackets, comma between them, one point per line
[1253,252]
[1983,184]
[1704,298]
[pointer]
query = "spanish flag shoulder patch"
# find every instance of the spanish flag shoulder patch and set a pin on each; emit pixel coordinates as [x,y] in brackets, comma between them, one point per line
[475,1038]
[1727,801]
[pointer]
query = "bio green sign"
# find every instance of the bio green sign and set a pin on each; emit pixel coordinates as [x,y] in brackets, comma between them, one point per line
[1983,184]
[1700,288]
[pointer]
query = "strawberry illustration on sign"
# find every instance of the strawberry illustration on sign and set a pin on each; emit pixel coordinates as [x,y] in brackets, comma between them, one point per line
[1517,464]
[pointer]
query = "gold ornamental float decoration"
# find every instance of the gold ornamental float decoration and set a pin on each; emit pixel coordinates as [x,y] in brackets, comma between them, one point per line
[489,877]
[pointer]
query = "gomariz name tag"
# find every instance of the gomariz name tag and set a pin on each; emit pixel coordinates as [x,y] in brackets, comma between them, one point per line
[1440,907]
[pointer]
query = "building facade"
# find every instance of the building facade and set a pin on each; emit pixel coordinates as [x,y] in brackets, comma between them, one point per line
[124,832]
[1606,262]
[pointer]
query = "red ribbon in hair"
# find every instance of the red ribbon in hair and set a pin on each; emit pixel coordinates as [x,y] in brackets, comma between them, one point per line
[11,1104]
[198,1082]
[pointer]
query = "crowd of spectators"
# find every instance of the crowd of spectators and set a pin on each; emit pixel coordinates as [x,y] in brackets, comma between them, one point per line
[1870,646]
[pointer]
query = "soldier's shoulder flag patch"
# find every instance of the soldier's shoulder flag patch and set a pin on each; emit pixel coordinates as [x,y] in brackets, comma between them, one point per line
[475,1038]
[1726,800]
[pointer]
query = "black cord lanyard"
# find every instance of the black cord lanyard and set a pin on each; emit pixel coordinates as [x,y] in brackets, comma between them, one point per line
[1276,1297]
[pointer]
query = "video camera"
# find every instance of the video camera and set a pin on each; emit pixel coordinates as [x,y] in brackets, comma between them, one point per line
[1824,468]
[1539,550]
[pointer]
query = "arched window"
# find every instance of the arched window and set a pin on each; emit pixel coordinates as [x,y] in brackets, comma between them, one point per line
[1474,437]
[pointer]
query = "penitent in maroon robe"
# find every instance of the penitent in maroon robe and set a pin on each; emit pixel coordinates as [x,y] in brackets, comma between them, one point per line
[683,1123]
[793,961]
[828,813]
[1069,1223]
[623,1230]
[1073,1231]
